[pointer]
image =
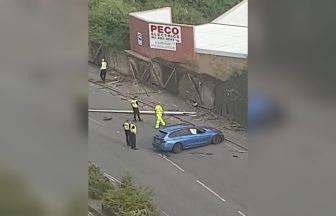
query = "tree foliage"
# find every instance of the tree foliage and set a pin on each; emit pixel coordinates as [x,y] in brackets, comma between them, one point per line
[108,19]
[98,183]
[129,200]
[124,199]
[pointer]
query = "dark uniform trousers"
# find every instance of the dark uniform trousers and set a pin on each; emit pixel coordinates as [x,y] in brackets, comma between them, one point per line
[103,74]
[136,113]
[127,135]
[132,138]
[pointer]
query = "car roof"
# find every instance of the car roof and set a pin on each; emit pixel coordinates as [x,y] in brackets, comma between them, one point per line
[175,127]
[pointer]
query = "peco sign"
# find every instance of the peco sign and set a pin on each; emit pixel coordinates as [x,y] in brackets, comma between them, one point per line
[164,36]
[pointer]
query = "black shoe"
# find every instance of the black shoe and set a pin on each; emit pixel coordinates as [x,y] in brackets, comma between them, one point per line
[140,119]
[135,120]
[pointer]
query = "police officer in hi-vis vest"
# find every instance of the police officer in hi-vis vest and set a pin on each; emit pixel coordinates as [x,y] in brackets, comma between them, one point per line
[103,68]
[132,135]
[126,127]
[135,106]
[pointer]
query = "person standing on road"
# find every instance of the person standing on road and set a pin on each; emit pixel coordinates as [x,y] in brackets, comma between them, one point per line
[159,113]
[132,135]
[135,106]
[126,127]
[103,69]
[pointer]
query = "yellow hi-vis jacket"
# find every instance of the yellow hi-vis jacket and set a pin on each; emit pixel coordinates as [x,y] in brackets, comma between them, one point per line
[158,110]
[133,128]
[103,65]
[134,103]
[126,126]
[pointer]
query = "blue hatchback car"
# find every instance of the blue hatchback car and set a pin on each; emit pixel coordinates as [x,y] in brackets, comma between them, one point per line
[178,137]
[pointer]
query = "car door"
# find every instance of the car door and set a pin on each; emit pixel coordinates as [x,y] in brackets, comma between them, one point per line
[193,137]
[203,137]
[184,137]
[197,136]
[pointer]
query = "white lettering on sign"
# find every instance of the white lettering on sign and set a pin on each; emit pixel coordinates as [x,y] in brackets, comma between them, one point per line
[164,36]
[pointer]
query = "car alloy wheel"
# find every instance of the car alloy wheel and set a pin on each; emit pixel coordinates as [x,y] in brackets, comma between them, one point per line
[217,139]
[177,148]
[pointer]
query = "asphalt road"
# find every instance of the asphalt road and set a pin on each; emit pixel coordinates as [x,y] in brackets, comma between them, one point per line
[207,181]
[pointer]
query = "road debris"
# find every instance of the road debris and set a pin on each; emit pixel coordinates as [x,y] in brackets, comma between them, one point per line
[107,118]
[201,153]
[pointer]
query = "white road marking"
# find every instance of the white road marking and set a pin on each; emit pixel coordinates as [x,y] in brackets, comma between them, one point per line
[241,213]
[111,178]
[174,164]
[106,174]
[209,189]
[164,212]
[97,122]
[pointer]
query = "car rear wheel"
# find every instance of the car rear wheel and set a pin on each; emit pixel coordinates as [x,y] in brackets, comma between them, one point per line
[177,148]
[217,139]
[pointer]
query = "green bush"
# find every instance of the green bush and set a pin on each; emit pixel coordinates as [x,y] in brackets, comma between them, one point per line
[129,200]
[98,183]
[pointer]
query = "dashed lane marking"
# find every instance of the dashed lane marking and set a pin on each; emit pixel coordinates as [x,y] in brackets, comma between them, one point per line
[111,178]
[164,213]
[97,122]
[241,213]
[170,161]
[210,190]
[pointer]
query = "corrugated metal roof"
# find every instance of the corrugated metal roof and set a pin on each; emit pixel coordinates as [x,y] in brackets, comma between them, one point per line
[237,15]
[222,40]
[160,15]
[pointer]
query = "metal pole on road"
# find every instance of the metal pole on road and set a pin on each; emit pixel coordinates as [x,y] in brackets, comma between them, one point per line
[141,112]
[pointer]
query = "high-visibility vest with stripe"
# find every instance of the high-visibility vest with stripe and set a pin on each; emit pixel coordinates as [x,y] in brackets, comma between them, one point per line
[158,110]
[133,128]
[134,103]
[126,126]
[103,65]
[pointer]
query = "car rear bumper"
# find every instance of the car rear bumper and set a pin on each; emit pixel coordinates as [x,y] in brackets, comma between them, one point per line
[160,147]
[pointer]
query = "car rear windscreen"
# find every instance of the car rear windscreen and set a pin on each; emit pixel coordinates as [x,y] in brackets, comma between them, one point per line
[161,134]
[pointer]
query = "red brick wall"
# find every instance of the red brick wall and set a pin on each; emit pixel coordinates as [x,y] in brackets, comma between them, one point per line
[184,50]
